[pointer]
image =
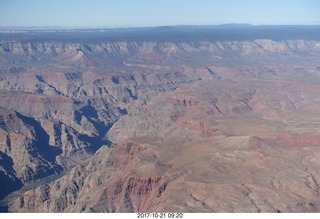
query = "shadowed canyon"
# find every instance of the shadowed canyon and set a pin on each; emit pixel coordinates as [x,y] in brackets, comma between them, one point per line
[165,119]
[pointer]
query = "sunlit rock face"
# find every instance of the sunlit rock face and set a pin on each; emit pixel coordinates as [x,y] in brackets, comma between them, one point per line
[183,119]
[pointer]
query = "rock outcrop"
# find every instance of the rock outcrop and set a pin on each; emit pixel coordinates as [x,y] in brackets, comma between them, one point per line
[222,161]
[179,123]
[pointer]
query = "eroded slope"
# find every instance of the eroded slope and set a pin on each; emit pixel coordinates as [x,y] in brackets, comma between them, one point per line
[197,125]
[248,156]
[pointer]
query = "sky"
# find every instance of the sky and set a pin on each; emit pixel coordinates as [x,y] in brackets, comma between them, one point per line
[130,13]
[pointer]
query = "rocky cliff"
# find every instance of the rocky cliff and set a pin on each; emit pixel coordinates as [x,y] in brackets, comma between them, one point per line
[154,123]
[198,158]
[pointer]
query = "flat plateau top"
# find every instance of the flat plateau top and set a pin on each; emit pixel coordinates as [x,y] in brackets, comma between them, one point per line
[166,34]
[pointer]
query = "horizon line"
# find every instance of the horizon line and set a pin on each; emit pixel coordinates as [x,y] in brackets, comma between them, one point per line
[47,27]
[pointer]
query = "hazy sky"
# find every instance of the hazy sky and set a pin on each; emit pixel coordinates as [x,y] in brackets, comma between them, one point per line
[94,13]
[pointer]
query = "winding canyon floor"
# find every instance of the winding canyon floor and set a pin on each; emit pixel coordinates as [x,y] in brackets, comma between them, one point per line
[186,122]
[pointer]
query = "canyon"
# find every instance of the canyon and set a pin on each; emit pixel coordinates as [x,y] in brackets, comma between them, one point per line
[164,119]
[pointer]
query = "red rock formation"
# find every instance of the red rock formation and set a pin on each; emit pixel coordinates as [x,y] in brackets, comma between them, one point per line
[197,125]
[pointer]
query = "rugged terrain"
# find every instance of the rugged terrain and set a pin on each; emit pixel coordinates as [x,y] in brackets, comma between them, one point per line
[184,119]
